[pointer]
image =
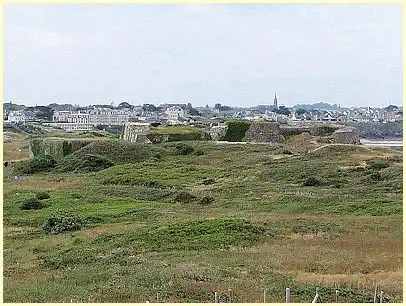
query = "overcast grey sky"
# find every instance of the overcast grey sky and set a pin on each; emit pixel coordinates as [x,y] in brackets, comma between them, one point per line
[234,54]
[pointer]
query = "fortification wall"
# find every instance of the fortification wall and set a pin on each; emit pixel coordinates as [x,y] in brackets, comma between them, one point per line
[264,131]
[293,130]
[136,132]
[346,136]
[218,132]
[58,148]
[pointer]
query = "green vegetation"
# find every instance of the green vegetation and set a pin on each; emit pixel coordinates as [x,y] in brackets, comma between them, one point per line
[84,163]
[32,203]
[236,130]
[324,129]
[40,163]
[121,222]
[61,222]
[175,133]
[42,195]
[121,152]
[56,147]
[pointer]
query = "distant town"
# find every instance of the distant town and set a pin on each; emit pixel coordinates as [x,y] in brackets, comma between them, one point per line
[70,117]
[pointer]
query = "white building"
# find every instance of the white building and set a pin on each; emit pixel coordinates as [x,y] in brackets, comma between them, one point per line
[61,116]
[17,116]
[71,126]
[79,118]
[89,119]
[107,116]
[174,113]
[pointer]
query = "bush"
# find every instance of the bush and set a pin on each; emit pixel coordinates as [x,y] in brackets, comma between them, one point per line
[63,222]
[287,152]
[185,197]
[40,163]
[375,176]
[42,195]
[182,148]
[84,163]
[312,181]
[380,164]
[206,200]
[208,181]
[32,204]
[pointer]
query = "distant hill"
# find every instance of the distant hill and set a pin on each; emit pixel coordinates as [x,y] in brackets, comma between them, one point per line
[8,106]
[319,105]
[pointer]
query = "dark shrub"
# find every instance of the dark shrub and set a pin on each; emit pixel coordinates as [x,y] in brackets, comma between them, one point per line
[84,163]
[76,195]
[206,200]
[312,181]
[287,152]
[236,130]
[375,176]
[199,153]
[94,162]
[185,197]
[380,164]
[208,181]
[42,195]
[184,136]
[31,204]
[182,148]
[40,163]
[63,222]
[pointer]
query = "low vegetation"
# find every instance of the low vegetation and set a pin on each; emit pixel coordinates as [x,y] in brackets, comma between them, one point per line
[122,222]
[40,163]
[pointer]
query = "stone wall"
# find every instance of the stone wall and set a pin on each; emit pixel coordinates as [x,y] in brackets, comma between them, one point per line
[287,131]
[217,132]
[58,148]
[264,131]
[136,132]
[346,136]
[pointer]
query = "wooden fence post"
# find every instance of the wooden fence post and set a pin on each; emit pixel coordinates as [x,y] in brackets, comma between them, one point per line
[230,293]
[381,297]
[264,295]
[337,295]
[376,293]
[216,297]
[287,292]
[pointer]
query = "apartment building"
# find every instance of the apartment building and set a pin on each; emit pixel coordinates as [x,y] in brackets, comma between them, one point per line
[89,119]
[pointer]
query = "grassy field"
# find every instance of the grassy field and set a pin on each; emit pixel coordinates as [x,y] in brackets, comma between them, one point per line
[185,223]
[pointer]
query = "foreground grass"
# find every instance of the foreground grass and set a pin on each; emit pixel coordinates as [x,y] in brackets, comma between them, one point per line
[236,216]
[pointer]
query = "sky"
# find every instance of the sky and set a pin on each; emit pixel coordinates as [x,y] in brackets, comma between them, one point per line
[233,54]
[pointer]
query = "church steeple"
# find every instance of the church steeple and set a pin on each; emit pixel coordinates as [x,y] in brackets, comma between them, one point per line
[275,101]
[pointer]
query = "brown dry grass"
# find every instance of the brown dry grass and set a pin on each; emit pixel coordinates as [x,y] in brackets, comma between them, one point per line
[387,281]
[31,183]
[14,150]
